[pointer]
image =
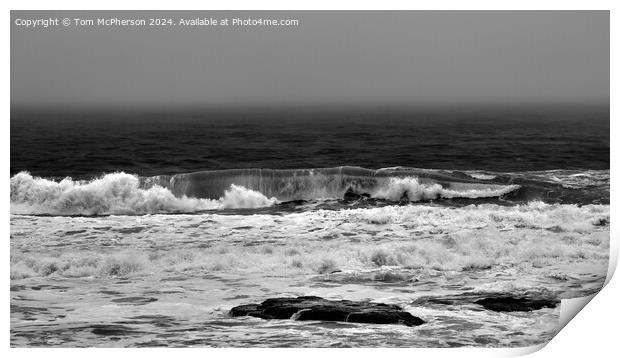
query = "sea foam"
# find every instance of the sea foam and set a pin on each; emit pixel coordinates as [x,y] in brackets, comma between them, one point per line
[411,189]
[125,194]
[395,238]
[116,194]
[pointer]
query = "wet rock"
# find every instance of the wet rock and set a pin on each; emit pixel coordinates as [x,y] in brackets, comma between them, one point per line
[495,302]
[312,308]
[516,304]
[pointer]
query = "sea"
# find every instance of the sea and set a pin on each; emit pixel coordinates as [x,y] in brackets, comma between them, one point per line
[144,227]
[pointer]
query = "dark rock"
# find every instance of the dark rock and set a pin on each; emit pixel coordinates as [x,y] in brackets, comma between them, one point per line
[385,317]
[512,304]
[495,302]
[243,310]
[312,308]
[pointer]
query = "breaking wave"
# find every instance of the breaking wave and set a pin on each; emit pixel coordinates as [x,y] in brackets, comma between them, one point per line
[412,190]
[332,183]
[116,194]
[127,194]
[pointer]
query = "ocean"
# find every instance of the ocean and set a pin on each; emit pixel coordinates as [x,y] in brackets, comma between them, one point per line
[133,228]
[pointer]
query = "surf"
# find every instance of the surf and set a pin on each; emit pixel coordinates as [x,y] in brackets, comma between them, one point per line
[129,194]
[117,194]
[329,183]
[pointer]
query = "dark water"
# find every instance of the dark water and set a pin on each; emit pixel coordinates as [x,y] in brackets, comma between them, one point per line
[82,144]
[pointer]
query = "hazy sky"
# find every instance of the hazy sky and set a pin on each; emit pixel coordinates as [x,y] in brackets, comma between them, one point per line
[331,57]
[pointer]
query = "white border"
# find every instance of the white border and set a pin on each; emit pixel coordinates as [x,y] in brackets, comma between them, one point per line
[593,331]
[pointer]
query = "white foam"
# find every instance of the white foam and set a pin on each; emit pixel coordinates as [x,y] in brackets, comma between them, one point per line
[481,176]
[413,190]
[537,236]
[116,193]
[240,197]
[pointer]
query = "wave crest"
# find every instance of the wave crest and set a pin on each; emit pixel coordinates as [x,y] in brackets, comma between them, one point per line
[116,194]
[412,190]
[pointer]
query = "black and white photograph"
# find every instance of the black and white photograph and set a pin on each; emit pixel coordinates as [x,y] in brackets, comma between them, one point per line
[306,179]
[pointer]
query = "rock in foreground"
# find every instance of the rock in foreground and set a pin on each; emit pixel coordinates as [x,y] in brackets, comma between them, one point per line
[312,308]
[496,302]
[516,304]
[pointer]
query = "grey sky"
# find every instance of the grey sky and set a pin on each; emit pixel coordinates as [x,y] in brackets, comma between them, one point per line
[331,57]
